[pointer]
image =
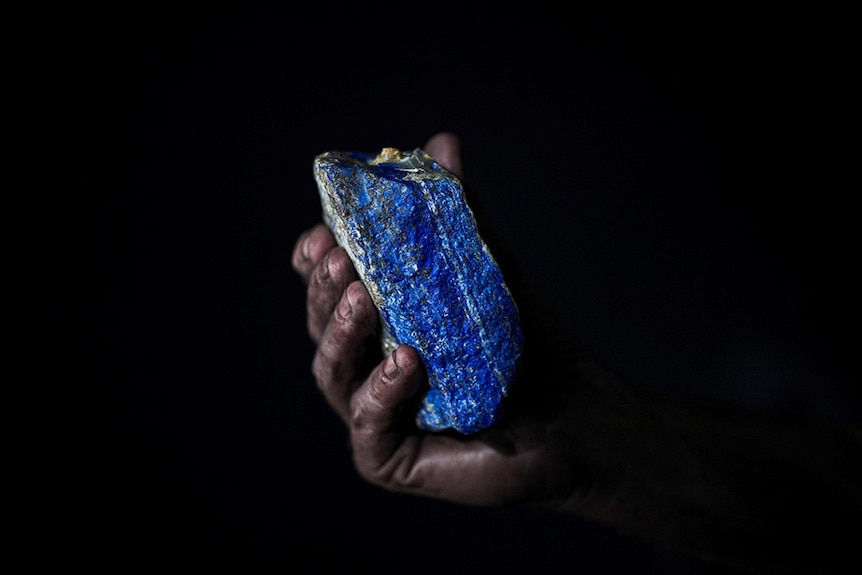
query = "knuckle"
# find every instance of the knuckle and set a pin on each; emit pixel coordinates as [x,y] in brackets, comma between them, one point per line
[395,473]
[325,371]
[340,339]
[358,416]
[376,476]
[342,334]
[315,331]
[363,311]
[370,473]
[376,396]
[347,330]
[365,409]
[400,480]
[320,277]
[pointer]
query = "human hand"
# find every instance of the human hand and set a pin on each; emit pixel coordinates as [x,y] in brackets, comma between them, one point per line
[576,438]
[539,452]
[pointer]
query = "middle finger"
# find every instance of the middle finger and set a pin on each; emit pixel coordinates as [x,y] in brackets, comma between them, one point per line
[328,281]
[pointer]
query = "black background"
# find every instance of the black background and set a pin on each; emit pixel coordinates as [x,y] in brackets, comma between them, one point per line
[671,177]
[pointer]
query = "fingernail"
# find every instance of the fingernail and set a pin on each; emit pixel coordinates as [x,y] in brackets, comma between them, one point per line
[306,247]
[390,369]
[323,269]
[344,308]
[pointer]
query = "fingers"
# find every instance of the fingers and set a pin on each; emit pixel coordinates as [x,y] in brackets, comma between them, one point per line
[310,248]
[339,351]
[374,414]
[388,454]
[326,286]
[445,148]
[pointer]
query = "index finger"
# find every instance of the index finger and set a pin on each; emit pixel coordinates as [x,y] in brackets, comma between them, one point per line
[310,248]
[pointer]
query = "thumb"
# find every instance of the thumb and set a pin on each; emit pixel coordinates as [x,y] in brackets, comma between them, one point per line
[375,432]
[445,148]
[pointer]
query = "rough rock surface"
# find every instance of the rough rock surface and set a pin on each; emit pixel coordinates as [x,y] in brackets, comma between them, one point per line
[403,221]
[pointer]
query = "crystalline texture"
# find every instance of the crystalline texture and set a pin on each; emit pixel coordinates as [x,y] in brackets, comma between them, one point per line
[404,222]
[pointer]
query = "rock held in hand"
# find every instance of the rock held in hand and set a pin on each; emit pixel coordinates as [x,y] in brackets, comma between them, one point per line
[404,222]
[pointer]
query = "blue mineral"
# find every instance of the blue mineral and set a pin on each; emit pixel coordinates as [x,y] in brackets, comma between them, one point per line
[404,222]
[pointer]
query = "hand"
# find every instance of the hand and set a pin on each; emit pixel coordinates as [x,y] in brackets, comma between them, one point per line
[528,456]
[715,483]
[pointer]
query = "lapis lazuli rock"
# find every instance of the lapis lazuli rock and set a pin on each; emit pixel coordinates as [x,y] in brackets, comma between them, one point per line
[403,220]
